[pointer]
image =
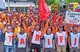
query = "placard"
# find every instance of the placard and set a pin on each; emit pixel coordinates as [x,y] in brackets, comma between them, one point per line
[72,17]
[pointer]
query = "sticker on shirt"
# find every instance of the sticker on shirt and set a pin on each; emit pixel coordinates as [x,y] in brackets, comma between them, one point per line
[37,37]
[75,41]
[48,41]
[22,41]
[10,38]
[61,39]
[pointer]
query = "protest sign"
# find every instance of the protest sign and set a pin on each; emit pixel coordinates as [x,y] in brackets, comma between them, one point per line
[72,17]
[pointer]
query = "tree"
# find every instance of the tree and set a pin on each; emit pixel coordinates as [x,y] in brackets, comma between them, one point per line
[68,1]
[49,2]
[57,2]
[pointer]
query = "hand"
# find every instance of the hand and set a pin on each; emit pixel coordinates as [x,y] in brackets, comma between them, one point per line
[78,48]
[70,46]
[43,48]
[54,47]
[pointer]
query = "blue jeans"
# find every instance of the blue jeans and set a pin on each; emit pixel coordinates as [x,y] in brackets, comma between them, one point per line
[14,46]
[8,49]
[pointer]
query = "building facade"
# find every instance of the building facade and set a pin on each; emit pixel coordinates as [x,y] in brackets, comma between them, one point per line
[19,5]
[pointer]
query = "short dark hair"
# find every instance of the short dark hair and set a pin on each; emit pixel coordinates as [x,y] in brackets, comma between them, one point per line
[39,26]
[75,26]
[47,30]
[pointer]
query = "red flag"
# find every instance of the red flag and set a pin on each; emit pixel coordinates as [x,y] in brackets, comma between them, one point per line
[43,9]
[54,18]
[60,20]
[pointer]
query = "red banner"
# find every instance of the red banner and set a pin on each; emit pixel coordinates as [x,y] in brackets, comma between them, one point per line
[43,10]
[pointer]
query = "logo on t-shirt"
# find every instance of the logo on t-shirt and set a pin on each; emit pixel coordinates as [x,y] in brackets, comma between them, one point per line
[22,41]
[61,38]
[10,38]
[37,37]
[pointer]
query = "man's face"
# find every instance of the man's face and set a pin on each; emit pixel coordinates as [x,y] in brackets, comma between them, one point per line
[60,29]
[48,31]
[21,30]
[9,29]
[37,27]
[75,29]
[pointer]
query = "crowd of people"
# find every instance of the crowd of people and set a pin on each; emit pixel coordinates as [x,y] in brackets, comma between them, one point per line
[22,31]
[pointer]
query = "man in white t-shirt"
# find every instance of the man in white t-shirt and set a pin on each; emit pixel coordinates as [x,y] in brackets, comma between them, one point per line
[1,41]
[74,40]
[61,40]
[8,40]
[22,40]
[35,42]
[48,41]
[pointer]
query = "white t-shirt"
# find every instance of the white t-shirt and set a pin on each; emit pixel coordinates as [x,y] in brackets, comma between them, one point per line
[74,39]
[61,36]
[22,40]
[48,40]
[8,39]
[36,37]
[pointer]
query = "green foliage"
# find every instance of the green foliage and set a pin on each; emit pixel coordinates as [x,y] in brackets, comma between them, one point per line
[57,2]
[68,1]
[49,2]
